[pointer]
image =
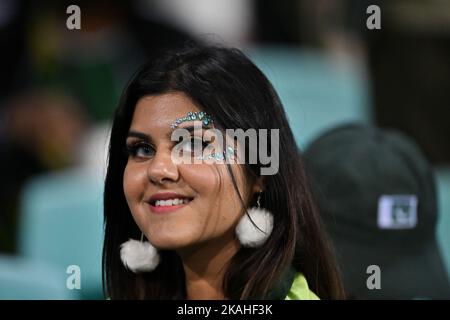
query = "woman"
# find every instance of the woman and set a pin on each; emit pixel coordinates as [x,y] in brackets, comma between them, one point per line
[214,229]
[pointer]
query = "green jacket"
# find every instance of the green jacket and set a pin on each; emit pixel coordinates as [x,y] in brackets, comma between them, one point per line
[300,290]
[293,286]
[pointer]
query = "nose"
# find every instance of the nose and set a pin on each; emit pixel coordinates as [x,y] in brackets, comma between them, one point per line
[161,169]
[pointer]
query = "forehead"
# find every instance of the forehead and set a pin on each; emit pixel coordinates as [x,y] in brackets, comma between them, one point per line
[159,111]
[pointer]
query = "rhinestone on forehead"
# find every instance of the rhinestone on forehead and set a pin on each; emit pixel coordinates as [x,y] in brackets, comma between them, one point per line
[192,116]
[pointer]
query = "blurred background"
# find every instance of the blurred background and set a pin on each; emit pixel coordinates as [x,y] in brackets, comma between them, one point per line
[60,87]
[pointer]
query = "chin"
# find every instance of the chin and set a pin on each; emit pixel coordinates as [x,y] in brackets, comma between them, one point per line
[169,242]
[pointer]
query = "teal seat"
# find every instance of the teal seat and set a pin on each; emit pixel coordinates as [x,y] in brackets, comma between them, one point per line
[25,279]
[62,224]
[317,91]
[443,193]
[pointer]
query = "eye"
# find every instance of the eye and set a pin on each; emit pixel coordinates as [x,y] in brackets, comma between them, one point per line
[140,149]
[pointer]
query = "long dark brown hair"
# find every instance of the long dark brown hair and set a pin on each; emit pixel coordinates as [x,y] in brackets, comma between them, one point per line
[228,86]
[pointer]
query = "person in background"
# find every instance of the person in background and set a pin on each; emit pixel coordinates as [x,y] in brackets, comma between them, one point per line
[41,132]
[376,192]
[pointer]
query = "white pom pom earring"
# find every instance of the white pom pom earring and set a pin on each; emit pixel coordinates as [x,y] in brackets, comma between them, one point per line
[139,256]
[250,235]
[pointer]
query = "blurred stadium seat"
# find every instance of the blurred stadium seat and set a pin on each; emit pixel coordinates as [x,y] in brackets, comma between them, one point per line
[443,192]
[26,279]
[318,91]
[62,224]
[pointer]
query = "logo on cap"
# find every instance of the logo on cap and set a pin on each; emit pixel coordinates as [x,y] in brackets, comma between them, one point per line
[397,211]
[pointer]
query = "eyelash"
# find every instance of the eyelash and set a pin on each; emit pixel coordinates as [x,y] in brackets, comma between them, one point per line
[132,148]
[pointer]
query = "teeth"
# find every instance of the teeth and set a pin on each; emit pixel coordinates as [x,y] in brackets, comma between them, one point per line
[170,202]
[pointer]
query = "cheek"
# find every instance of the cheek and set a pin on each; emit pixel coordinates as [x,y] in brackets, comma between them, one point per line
[204,179]
[218,202]
[133,184]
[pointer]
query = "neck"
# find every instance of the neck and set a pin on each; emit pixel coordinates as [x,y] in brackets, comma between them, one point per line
[205,266]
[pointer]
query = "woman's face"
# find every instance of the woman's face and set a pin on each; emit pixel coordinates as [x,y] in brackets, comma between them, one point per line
[176,205]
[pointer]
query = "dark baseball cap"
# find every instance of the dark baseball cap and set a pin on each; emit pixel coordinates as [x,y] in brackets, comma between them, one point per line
[376,193]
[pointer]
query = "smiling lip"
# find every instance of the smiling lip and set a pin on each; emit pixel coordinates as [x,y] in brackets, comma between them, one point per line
[166,196]
[166,209]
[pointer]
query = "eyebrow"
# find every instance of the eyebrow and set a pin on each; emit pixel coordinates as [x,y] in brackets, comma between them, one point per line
[145,137]
[140,135]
